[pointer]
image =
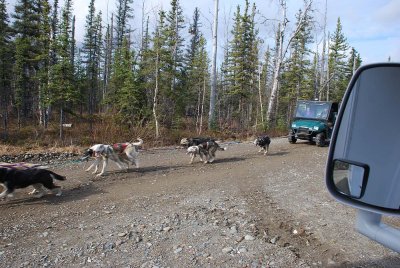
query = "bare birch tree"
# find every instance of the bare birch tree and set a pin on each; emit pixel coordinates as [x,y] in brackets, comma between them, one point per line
[271,112]
[213,93]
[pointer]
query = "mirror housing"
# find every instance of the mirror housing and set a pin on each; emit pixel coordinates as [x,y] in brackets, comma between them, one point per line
[363,167]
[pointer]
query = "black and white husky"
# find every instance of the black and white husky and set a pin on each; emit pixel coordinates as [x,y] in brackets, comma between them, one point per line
[194,141]
[122,154]
[211,147]
[263,142]
[39,178]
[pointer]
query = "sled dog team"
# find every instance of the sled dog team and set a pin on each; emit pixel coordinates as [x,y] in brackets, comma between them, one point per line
[21,175]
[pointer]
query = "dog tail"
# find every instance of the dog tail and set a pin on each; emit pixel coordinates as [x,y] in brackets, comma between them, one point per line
[222,148]
[139,143]
[56,176]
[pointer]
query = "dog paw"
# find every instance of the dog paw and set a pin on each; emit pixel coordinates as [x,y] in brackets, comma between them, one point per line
[99,175]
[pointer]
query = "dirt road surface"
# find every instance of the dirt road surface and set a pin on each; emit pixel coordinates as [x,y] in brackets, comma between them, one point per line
[243,210]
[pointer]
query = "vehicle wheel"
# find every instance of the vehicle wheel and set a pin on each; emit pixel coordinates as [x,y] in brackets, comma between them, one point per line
[320,139]
[292,138]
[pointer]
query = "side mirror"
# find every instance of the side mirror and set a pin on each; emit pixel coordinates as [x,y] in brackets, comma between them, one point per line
[363,168]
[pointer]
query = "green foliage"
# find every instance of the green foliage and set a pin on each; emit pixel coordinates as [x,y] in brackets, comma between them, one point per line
[197,73]
[126,95]
[240,68]
[45,70]
[298,78]
[337,63]
[26,26]
[61,83]
[92,56]
[6,56]
[124,13]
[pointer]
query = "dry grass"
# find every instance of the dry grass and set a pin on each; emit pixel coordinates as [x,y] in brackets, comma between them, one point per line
[35,139]
[13,150]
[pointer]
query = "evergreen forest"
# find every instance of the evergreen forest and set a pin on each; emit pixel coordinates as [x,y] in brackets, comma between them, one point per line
[112,87]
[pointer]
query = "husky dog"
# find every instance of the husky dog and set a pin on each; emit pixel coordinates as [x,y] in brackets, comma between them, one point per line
[123,154]
[196,150]
[211,147]
[263,142]
[194,141]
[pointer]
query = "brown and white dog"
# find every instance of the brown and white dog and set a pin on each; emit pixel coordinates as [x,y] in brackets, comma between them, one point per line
[123,154]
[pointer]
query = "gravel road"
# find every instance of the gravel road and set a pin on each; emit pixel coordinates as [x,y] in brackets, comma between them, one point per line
[243,210]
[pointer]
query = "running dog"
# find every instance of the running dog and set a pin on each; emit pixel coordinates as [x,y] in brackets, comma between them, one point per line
[263,142]
[121,153]
[16,178]
[210,148]
[196,150]
[194,141]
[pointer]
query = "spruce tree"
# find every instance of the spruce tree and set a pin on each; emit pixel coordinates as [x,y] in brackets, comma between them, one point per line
[6,59]
[191,68]
[44,61]
[26,26]
[124,13]
[174,102]
[146,66]
[63,91]
[91,54]
[337,64]
[197,75]
[354,62]
[297,80]
[127,99]
[242,69]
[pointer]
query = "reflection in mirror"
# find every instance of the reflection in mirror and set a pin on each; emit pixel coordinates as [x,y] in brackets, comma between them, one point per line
[349,179]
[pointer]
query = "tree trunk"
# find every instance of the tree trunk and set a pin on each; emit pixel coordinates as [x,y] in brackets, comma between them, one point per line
[271,112]
[213,93]
[202,106]
[61,123]
[155,99]
[322,79]
[198,109]
[260,96]
[274,90]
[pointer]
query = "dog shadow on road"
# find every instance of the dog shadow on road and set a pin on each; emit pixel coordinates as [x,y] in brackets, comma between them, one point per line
[68,195]
[228,160]
[281,153]
[158,168]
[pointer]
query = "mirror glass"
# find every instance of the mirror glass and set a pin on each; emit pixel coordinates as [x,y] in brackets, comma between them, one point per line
[349,178]
[367,133]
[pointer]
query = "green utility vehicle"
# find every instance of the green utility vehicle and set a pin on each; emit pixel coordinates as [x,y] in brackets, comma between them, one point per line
[313,121]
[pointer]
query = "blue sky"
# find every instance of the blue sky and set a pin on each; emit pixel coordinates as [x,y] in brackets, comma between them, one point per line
[371,27]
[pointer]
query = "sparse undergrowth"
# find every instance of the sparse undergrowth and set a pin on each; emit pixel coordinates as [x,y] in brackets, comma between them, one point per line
[33,139]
